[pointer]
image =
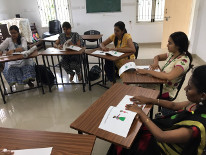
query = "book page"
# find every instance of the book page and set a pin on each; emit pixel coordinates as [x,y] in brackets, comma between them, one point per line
[115,53]
[37,151]
[126,101]
[117,121]
[75,48]
[98,52]
[147,68]
[127,66]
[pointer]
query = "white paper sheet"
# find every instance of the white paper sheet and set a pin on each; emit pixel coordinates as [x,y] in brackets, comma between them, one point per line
[37,151]
[127,66]
[112,53]
[146,67]
[117,121]
[75,48]
[126,101]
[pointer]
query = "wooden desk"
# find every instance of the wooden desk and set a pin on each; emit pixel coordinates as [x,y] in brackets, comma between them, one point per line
[50,39]
[106,57]
[131,77]
[89,121]
[62,143]
[56,52]
[4,59]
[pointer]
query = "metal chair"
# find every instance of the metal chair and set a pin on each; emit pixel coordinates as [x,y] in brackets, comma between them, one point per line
[91,32]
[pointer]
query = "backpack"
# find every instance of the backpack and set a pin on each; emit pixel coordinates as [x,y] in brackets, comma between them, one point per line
[41,75]
[94,73]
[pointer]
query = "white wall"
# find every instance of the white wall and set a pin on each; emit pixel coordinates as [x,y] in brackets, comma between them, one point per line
[198,37]
[4,10]
[104,22]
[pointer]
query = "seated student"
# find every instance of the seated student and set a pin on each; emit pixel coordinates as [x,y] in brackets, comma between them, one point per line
[69,62]
[20,71]
[182,132]
[178,62]
[123,43]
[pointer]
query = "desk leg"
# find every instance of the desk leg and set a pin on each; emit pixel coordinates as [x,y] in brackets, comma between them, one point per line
[47,62]
[3,96]
[85,68]
[114,76]
[81,63]
[103,80]
[52,44]
[38,72]
[46,73]
[87,61]
[151,113]
[2,81]
[60,68]
[54,68]
[44,44]
[79,132]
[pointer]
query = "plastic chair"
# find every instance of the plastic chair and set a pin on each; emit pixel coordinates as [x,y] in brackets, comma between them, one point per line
[136,48]
[91,32]
[54,28]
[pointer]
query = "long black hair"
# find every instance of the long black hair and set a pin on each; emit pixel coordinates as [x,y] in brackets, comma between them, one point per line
[181,41]
[121,26]
[14,27]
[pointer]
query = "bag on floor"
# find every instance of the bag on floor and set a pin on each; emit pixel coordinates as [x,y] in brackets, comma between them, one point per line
[41,75]
[94,73]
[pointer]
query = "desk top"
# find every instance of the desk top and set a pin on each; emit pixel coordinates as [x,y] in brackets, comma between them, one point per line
[107,57]
[51,38]
[89,121]
[91,37]
[131,77]
[17,57]
[55,51]
[62,143]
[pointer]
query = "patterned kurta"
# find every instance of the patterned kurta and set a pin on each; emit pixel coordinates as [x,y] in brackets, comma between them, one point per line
[70,62]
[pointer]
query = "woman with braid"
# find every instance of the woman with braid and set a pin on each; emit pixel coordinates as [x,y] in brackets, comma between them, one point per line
[122,43]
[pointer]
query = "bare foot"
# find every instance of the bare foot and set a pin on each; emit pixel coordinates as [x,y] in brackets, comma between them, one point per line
[71,78]
[79,77]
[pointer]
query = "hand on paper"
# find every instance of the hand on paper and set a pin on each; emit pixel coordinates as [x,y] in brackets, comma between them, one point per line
[60,47]
[134,108]
[140,100]
[142,71]
[154,66]
[10,52]
[105,49]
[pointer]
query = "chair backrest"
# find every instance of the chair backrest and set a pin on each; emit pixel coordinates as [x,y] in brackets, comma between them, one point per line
[180,85]
[92,32]
[4,33]
[55,27]
[136,48]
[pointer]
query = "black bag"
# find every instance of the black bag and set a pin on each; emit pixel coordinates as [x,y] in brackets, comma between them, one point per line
[94,73]
[41,75]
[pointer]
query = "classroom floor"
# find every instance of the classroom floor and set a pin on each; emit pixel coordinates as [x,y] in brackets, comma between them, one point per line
[57,110]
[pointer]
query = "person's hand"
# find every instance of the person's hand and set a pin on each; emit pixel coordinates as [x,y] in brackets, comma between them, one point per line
[142,71]
[60,47]
[105,49]
[70,43]
[7,152]
[141,100]
[10,52]
[154,66]
[134,108]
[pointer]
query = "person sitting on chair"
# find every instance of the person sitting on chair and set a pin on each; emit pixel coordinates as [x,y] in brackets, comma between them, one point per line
[182,132]
[20,71]
[69,62]
[178,63]
[123,43]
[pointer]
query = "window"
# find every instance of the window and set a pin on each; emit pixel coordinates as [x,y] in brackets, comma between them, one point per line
[52,10]
[150,10]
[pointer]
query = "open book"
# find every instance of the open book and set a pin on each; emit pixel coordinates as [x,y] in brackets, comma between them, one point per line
[132,66]
[117,119]
[75,48]
[111,53]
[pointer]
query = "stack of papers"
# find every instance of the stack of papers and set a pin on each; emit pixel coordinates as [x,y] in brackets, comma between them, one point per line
[112,53]
[117,119]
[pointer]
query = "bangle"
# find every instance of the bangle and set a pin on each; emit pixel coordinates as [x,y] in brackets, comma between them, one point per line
[147,120]
[158,101]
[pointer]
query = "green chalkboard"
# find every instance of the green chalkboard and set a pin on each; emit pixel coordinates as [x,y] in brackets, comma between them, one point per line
[103,6]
